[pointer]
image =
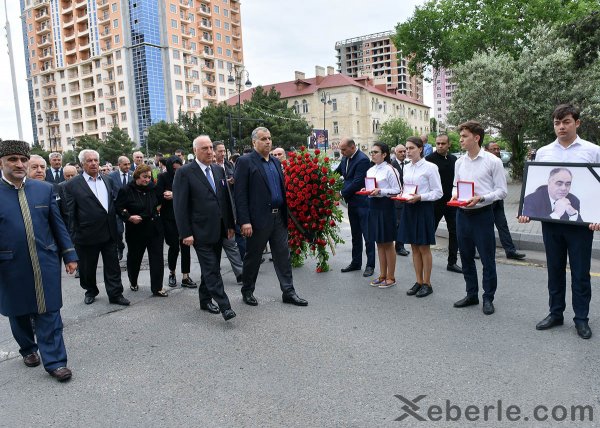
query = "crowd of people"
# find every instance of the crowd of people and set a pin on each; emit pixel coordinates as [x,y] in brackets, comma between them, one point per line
[239,206]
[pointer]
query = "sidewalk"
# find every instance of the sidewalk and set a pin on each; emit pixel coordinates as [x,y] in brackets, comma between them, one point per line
[527,236]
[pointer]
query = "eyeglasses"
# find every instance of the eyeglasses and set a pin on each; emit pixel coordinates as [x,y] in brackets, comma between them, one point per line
[374,152]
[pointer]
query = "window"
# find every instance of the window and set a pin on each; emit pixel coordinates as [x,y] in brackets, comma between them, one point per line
[228,52]
[218,37]
[216,9]
[114,7]
[173,8]
[228,40]
[118,55]
[175,39]
[297,107]
[68,127]
[121,86]
[100,93]
[218,23]
[226,25]
[178,84]
[221,78]
[177,69]
[179,99]
[102,121]
[220,64]
[173,23]
[66,114]
[117,38]
[176,54]
[358,126]
[65,101]
[225,12]
[304,106]
[122,101]
[124,117]
[63,88]
[334,104]
[116,23]
[336,129]
[219,50]
[119,70]
[222,91]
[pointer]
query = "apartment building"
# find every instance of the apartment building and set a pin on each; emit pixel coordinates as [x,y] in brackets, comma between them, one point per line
[443,89]
[355,106]
[375,55]
[94,64]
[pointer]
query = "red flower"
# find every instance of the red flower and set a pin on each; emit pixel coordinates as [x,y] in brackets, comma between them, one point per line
[326,159]
[332,223]
[317,152]
[302,148]
[332,181]
[324,170]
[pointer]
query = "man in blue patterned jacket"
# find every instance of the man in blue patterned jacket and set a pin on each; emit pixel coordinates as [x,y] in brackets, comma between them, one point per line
[34,239]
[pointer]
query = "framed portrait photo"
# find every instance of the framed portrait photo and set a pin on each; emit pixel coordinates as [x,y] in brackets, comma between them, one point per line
[561,192]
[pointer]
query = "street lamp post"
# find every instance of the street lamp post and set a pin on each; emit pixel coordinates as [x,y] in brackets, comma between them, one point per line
[145,133]
[73,141]
[236,75]
[325,99]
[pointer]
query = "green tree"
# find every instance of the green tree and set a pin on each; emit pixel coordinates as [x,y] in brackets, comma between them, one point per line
[192,125]
[117,143]
[445,33]
[395,131]
[88,142]
[166,138]
[516,96]
[214,122]
[37,149]
[584,35]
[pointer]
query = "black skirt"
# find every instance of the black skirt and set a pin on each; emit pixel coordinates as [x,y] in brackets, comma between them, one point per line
[381,220]
[417,225]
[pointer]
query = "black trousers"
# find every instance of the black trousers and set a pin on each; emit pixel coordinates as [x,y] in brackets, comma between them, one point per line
[175,244]
[88,264]
[136,246]
[399,207]
[211,282]
[502,226]
[276,234]
[575,241]
[440,209]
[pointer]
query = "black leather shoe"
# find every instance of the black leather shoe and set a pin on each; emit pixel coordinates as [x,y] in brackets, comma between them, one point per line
[488,307]
[402,252]
[172,280]
[120,254]
[188,283]
[368,271]
[467,301]
[293,299]
[414,289]
[210,307]
[120,301]
[583,330]
[249,299]
[61,374]
[88,300]
[454,268]
[425,290]
[549,322]
[32,360]
[516,256]
[228,314]
[350,268]
[238,279]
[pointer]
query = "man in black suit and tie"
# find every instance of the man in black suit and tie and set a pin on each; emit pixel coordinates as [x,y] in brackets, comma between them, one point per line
[204,217]
[353,168]
[262,214]
[121,178]
[93,224]
[554,201]
[54,174]
[399,163]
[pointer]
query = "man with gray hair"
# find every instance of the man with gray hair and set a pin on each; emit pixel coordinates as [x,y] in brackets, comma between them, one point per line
[262,213]
[55,174]
[93,223]
[37,168]
[138,159]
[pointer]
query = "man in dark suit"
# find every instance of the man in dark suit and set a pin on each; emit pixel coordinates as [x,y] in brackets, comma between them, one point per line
[93,223]
[34,240]
[399,163]
[554,201]
[262,213]
[121,178]
[353,168]
[69,172]
[204,217]
[54,174]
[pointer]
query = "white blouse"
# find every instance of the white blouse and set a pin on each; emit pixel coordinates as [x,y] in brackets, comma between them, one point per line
[426,176]
[388,181]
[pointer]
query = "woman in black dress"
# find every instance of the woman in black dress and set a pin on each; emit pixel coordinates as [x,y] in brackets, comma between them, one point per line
[137,205]
[164,192]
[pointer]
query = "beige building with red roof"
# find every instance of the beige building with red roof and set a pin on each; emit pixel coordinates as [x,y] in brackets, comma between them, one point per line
[358,108]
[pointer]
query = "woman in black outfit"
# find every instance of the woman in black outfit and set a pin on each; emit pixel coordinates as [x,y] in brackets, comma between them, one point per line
[137,206]
[164,192]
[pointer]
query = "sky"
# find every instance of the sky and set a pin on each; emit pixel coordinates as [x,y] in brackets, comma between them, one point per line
[279,37]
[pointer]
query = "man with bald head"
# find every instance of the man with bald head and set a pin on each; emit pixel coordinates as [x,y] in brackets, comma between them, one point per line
[278,154]
[37,168]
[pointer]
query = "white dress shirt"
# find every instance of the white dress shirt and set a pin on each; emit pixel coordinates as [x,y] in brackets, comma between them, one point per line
[388,181]
[579,151]
[487,172]
[98,188]
[426,176]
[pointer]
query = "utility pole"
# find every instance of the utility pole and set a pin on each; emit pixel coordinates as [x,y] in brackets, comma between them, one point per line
[12,72]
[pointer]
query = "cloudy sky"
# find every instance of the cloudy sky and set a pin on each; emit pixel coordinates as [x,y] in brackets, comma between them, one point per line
[280,37]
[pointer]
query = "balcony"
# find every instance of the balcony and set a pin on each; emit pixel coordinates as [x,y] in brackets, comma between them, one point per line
[184,4]
[89,100]
[189,77]
[45,54]
[186,34]
[46,68]
[68,24]
[42,15]
[85,46]
[48,81]
[86,71]
[236,48]
[82,18]
[43,29]
[110,95]
[236,35]
[91,113]
[37,4]
[45,42]
[71,50]
[185,17]
[205,25]
[105,33]
[206,67]
[88,85]
[69,37]
[76,116]
[49,95]
[83,32]
[235,22]
[208,40]
[209,82]
[80,4]
[104,18]
[111,109]
[207,54]
[209,96]
[102,4]
[74,87]
[204,11]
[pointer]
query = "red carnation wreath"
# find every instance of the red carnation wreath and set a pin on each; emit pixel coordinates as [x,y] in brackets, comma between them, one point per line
[312,191]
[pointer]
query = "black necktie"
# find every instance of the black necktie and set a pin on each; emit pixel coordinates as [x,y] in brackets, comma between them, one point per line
[124,179]
[56,174]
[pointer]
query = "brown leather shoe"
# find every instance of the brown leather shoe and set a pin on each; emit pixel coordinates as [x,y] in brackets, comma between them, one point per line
[32,360]
[62,374]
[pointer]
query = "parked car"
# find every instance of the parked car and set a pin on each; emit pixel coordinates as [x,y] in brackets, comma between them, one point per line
[505,157]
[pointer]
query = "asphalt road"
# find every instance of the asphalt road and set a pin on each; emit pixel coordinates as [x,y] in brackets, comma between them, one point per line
[341,361]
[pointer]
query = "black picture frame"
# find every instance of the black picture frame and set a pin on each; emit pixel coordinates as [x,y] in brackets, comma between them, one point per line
[583,192]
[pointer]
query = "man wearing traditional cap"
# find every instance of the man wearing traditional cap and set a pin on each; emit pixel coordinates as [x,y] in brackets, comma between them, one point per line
[34,238]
